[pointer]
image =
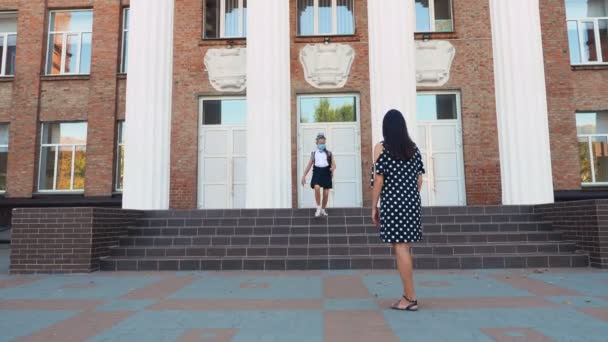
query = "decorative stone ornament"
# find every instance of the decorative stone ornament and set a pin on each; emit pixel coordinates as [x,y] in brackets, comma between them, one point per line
[227,69]
[327,66]
[433,62]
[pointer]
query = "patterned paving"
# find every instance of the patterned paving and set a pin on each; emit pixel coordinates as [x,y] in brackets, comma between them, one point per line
[487,305]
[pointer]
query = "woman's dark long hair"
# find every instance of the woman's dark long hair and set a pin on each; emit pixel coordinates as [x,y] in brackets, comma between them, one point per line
[397,141]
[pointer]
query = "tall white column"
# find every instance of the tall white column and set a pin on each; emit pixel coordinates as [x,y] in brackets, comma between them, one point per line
[521,102]
[392,64]
[148,118]
[268,105]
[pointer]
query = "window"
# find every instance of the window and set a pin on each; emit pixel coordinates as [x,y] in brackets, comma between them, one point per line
[315,109]
[3,155]
[124,60]
[225,19]
[587,31]
[326,17]
[69,43]
[227,111]
[431,107]
[434,16]
[120,156]
[8,43]
[592,130]
[62,156]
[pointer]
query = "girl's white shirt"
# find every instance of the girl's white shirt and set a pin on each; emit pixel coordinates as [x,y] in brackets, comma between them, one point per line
[321,159]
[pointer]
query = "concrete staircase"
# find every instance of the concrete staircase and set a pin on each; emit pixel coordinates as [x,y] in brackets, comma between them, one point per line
[292,239]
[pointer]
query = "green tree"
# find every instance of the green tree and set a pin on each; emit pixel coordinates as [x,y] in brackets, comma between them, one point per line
[324,112]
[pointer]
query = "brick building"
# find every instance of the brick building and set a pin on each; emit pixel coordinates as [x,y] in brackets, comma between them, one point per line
[507,99]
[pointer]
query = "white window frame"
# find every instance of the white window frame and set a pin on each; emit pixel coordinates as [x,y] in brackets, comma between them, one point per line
[590,146]
[120,143]
[58,146]
[4,36]
[2,191]
[598,42]
[223,20]
[334,21]
[432,17]
[125,33]
[65,35]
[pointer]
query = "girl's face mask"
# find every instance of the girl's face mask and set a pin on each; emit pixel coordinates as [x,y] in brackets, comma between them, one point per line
[321,147]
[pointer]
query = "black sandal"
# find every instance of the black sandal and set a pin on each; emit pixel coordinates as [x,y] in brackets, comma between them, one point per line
[413,303]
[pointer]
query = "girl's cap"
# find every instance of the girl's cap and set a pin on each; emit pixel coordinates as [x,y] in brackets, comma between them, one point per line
[320,135]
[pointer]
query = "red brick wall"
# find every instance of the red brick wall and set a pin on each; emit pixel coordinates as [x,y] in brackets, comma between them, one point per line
[472,74]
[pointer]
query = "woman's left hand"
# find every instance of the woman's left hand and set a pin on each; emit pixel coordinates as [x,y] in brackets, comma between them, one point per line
[376,217]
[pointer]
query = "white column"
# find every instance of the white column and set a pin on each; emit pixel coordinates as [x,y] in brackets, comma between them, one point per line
[148,118]
[392,64]
[268,105]
[521,102]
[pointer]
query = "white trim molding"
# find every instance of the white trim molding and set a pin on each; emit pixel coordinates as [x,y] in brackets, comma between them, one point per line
[148,118]
[392,65]
[521,102]
[268,105]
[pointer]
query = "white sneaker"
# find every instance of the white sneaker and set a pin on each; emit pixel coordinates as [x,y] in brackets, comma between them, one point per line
[323,212]
[318,212]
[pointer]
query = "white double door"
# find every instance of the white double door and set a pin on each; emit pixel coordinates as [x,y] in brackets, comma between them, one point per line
[343,140]
[440,142]
[223,163]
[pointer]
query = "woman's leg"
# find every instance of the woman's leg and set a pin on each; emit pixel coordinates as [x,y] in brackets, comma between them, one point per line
[325,197]
[405,266]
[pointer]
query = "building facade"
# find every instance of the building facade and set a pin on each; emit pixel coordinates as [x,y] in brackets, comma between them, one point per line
[215,103]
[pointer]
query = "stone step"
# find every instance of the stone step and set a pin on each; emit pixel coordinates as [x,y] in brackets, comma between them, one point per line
[321,239]
[336,229]
[456,210]
[537,260]
[322,221]
[350,250]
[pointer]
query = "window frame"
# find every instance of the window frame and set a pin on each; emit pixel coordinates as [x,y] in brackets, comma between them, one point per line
[202,99]
[57,146]
[222,21]
[120,144]
[432,25]
[8,130]
[589,143]
[456,93]
[65,34]
[124,51]
[334,21]
[598,45]
[4,36]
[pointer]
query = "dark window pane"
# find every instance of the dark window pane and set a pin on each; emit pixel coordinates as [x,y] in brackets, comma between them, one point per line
[589,44]
[446,107]
[3,167]
[431,107]
[212,112]
[212,19]
[603,27]
[328,109]
[47,168]
[11,53]
[443,16]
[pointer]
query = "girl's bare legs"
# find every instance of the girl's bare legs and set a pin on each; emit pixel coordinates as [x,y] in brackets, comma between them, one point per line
[325,197]
[318,195]
[406,271]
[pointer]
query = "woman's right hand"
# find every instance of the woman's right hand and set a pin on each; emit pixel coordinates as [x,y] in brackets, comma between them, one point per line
[303,180]
[376,217]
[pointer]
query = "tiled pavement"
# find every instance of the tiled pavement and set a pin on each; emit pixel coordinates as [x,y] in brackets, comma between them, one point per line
[489,305]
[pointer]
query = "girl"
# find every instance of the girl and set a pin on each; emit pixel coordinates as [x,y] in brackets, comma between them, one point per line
[398,179]
[323,165]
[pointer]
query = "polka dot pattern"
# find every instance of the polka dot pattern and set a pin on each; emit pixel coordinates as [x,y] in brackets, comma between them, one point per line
[400,204]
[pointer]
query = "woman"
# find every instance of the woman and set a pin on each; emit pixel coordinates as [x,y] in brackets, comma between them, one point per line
[397,180]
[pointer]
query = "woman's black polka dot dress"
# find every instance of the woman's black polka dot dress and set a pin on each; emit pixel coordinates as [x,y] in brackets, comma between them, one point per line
[400,204]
